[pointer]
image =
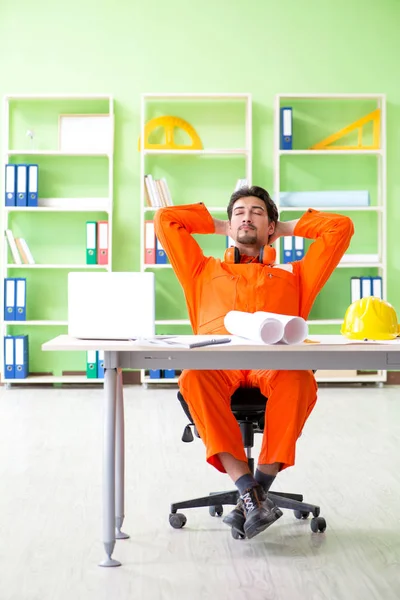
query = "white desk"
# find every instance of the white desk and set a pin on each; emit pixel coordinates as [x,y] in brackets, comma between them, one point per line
[328,354]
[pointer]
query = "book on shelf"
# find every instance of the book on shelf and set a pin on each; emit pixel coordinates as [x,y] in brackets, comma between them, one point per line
[167,193]
[160,192]
[240,184]
[13,247]
[156,192]
[19,249]
[24,251]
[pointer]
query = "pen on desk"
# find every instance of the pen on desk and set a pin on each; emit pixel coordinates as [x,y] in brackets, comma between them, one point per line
[210,342]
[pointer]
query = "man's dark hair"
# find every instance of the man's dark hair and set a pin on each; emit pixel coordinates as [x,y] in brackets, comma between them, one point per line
[257,192]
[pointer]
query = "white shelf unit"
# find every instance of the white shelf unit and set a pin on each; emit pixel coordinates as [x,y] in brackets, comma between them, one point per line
[211,152]
[50,379]
[381,264]
[53,205]
[28,152]
[11,266]
[65,205]
[39,323]
[207,153]
[327,152]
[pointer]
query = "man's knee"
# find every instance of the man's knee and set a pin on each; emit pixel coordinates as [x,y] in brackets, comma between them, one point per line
[299,384]
[303,377]
[198,380]
[188,376]
[306,378]
[206,379]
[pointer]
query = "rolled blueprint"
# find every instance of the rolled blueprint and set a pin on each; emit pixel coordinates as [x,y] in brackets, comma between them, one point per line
[269,328]
[254,326]
[295,328]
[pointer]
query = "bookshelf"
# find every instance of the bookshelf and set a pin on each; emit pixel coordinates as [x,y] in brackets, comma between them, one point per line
[75,186]
[316,116]
[209,175]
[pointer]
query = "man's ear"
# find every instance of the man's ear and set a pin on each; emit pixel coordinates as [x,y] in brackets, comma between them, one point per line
[271,231]
[271,227]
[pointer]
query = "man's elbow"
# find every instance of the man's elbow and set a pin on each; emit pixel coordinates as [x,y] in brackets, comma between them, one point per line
[160,218]
[348,227]
[346,230]
[344,226]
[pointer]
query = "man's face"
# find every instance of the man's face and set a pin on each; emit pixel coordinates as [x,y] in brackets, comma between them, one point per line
[249,224]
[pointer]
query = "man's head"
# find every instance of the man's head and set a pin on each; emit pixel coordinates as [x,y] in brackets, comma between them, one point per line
[252,218]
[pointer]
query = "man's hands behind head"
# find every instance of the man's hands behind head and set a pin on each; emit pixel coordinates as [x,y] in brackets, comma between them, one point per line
[282,229]
[221,226]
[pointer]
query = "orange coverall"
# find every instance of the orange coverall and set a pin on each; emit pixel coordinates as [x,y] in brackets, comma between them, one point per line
[212,288]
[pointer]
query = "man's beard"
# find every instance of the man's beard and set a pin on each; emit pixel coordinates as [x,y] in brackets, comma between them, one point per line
[247,238]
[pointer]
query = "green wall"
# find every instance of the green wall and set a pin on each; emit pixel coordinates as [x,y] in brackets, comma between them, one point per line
[262,47]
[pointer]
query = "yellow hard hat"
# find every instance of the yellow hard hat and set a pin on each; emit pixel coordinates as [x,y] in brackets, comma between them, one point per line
[370,318]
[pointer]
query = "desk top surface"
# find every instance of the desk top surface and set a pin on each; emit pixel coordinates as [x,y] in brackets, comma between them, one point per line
[322,343]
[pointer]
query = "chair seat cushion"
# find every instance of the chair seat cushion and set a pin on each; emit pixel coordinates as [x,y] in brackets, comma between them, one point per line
[245,403]
[248,400]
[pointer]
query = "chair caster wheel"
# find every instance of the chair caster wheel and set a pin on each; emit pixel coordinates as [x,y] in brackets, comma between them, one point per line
[177,520]
[301,514]
[216,511]
[318,524]
[237,535]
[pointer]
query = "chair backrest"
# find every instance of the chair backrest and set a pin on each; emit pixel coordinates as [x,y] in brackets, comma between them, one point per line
[185,407]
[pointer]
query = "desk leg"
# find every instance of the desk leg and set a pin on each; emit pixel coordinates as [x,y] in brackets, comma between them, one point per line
[110,403]
[120,462]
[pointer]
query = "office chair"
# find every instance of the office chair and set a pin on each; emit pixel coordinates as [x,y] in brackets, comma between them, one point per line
[248,405]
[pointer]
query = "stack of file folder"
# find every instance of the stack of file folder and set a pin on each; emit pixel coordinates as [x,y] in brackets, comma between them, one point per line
[362,287]
[16,356]
[21,185]
[293,248]
[15,299]
[154,253]
[97,242]
[95,364]
[162,373]
[286,128]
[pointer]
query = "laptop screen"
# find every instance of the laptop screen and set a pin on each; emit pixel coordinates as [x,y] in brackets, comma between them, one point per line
[111,305]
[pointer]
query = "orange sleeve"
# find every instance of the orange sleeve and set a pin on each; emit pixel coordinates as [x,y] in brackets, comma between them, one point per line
[174,226]
[332,234]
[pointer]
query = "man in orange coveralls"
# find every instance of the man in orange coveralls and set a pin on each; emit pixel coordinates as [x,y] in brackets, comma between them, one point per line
[212,288]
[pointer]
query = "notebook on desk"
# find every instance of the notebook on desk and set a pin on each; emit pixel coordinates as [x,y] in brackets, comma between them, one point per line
[111,306]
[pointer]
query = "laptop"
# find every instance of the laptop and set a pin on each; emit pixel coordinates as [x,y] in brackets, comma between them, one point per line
[111,306]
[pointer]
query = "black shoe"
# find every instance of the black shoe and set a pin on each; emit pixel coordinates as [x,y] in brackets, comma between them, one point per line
[259,510]
[236,518]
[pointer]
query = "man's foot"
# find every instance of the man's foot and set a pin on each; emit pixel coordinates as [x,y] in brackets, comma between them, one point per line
[260,511]
[236,518]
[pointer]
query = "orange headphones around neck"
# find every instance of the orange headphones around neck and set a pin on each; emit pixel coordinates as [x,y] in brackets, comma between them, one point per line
[267,255]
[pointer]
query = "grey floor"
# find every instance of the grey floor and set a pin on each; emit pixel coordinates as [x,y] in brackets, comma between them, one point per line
[50,504]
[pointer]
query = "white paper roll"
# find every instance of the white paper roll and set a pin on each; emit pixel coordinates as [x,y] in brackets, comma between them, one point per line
[296,331]
[269,328]
[295,328]
[254,326]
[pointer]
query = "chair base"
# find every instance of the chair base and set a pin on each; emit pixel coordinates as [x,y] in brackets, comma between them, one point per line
[216,501]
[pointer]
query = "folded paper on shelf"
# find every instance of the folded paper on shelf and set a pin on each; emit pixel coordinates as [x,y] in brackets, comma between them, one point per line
[321,199]
[266,327]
